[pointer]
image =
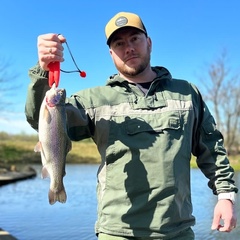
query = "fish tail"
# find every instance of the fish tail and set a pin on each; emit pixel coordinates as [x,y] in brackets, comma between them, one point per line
[60,196]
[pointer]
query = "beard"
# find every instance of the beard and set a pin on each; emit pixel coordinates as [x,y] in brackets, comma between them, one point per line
[132,71]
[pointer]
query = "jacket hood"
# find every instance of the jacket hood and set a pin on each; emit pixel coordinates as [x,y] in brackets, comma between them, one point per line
[162,73]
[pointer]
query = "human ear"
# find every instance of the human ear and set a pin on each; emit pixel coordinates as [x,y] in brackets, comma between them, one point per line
[149,41]
[111,52]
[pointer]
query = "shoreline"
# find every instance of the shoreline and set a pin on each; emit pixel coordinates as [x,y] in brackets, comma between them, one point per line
[4,235]
[13,174]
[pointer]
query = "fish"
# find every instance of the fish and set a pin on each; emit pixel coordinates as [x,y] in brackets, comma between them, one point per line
[54,143]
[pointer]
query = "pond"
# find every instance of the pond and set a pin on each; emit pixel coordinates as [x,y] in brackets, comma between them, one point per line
[26,213]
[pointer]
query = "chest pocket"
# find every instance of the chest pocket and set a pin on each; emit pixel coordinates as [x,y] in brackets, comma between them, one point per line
[153,123]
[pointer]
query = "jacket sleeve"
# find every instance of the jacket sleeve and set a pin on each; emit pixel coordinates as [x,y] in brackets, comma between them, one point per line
[35,94]
[78,121]
[210,152]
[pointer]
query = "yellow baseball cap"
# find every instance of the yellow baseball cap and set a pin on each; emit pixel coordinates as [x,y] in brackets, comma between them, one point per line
[123,19]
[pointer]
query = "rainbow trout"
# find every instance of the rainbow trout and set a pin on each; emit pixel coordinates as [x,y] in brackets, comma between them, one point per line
[54,143]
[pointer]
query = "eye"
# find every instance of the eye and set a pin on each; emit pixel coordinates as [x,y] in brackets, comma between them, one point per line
[135,38]
[118,44]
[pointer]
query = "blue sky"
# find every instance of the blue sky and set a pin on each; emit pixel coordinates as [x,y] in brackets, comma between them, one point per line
[186,35]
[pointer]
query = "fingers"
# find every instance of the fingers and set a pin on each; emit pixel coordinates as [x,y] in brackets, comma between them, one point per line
[225,228]
[215,222]
[50,49]
[224,219]
[228,226]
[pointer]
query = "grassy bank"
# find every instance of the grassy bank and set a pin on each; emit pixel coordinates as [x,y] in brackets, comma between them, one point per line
[19,149]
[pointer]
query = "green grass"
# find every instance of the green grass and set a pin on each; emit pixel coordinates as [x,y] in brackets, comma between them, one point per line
[18,149]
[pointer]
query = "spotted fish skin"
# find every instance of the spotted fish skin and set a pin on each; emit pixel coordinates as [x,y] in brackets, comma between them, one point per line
[54,143]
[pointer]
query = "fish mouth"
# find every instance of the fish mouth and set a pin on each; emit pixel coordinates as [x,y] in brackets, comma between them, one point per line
[55,97]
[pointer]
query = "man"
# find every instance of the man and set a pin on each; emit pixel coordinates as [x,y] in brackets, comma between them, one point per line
[146,125]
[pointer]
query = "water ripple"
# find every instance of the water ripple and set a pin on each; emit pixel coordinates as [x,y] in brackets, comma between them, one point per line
[26,213]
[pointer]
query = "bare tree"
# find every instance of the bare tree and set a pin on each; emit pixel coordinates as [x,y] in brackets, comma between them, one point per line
[7,83]
[223,92]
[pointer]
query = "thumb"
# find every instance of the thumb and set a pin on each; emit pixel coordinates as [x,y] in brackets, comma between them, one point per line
[61,38]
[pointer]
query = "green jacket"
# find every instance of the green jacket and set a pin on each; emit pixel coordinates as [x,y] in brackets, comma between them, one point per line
[145,143]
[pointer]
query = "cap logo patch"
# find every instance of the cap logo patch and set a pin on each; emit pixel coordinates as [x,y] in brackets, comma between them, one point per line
[121,21]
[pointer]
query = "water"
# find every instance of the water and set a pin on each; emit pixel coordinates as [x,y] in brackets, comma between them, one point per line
[26,213]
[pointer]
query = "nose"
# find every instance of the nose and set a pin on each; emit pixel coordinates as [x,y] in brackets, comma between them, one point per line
[129,47]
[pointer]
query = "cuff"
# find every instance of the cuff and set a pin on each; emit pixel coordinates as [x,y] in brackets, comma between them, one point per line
[228,195]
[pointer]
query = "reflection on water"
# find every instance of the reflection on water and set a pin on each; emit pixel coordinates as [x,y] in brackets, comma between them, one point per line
[26,213]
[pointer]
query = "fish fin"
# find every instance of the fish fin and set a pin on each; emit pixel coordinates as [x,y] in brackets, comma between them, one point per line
[45,173]
[60,196]
[69,145]
[38,147]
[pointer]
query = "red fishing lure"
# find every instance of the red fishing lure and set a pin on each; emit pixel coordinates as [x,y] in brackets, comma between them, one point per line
[54,71]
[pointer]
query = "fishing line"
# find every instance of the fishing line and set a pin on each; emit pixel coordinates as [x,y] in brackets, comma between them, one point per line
[82,73]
